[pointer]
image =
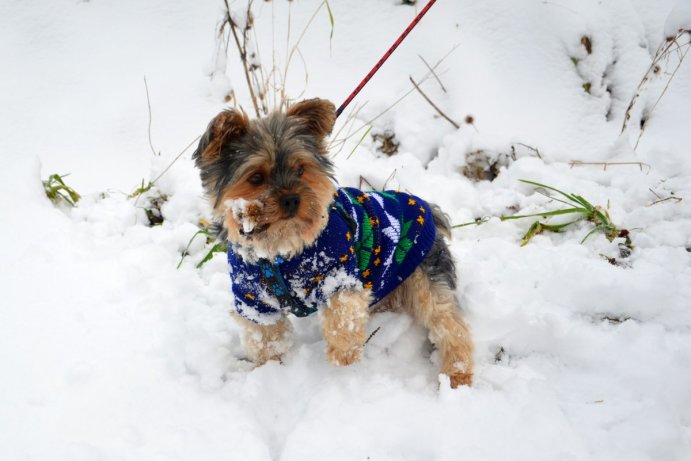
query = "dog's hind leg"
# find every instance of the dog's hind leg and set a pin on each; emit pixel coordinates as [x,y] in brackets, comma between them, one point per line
[433,304]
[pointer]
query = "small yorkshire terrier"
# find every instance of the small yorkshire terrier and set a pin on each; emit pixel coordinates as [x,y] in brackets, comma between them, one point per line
[298,244]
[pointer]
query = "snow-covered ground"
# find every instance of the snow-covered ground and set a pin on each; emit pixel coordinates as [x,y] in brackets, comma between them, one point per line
[108,351]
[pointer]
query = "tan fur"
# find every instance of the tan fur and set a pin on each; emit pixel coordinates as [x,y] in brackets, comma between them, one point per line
[434,306]
[319,115]
[265,342]
[285,237]
[226,125]
[345,326]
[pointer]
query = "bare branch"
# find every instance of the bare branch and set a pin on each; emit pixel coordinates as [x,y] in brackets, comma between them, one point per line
[433,73]
[456,125]
[534,149]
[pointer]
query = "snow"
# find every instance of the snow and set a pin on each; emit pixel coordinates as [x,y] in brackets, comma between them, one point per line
[245,212]
[679,18]
[107,351]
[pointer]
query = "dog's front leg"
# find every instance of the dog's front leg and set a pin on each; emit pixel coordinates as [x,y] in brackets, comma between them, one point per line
[345,325]
[266,342]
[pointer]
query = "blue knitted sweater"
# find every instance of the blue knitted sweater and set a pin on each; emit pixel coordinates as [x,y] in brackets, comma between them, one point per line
[373,240]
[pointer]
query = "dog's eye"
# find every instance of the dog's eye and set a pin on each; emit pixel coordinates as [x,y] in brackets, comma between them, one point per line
[301,171]
[256,179]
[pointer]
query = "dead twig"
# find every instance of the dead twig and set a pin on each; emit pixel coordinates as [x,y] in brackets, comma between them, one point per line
[664,50]
[396,102]
[433,73]
[669,81]
[391,176]
[177,157]
[534,149]
[372,334]
[242,49]
[339,143]
[364,135]
[295,49]
[363,180]
[439,111]
[148,104]
[661,200]
[605,165]
[476,222]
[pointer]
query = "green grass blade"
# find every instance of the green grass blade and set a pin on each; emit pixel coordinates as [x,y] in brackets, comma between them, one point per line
[57,190]
[546,213]
[331,19]
[477,222]
[595,229]
[141,189]
[557,199]
[538,227]
[217,248]
[189,244]
[535,229]
[533,183]
[359,142]
[604,219]
[559,227]
[584,202]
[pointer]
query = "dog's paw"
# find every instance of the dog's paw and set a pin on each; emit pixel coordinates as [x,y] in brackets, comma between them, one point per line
[460,379]
[263,358]
[343,358]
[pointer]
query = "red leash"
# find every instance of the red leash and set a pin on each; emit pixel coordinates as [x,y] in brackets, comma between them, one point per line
[385,57]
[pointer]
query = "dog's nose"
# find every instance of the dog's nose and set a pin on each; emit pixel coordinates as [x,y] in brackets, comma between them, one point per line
[290,203]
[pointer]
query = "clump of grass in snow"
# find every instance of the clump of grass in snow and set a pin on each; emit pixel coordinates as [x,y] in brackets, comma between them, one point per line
[579,208]
[58,192]
[153,200]
[211,237]
[145,187]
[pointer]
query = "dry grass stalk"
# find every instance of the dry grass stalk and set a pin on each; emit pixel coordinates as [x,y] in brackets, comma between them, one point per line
[670,46]
[424,78]
[660,199]
[266,87]
[534,149]
[681,54]
[434,106]
[673,198]
[235,30]
[148,104]
[605,165]
[433,73]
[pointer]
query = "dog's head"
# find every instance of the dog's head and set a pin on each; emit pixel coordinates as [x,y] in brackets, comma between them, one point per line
[270,179]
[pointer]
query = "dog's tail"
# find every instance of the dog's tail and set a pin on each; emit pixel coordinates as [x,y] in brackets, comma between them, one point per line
[441,220]
[439,264]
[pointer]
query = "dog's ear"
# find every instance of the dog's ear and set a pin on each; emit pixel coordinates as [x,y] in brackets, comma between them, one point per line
[227,125]
[318,115]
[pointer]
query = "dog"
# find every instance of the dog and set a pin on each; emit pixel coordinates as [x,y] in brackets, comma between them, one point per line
[297,244]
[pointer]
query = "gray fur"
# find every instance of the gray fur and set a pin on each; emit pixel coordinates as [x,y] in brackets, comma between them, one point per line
[439,264]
